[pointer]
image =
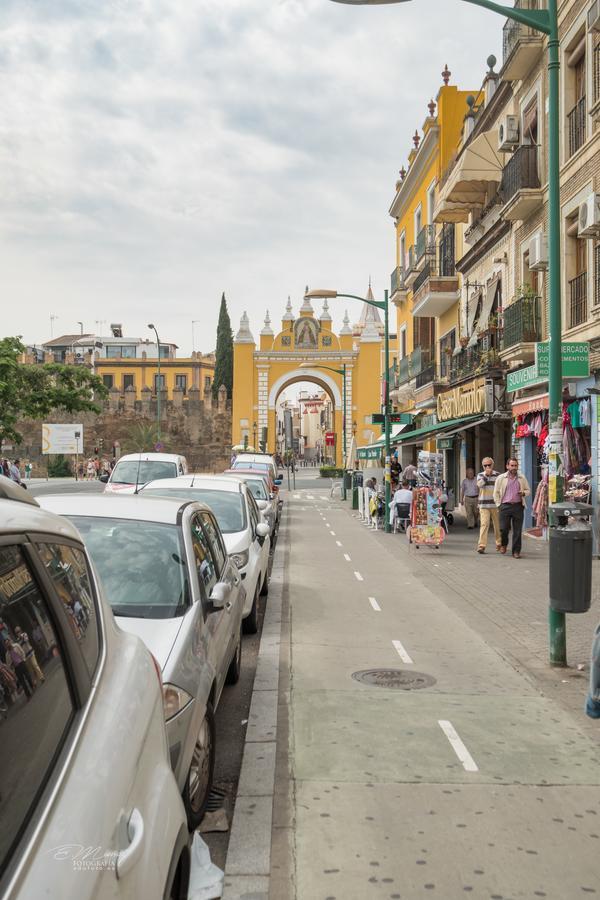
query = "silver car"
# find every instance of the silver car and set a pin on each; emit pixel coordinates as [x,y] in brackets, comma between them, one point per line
[90,807]
[267,502]
[245,532]
[167,575]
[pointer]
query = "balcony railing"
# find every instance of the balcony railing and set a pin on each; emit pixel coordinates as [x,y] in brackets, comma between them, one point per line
[397,280]
[440,258]
[411,365]
[425,273]
[429,374]
[474,361]
[576,126]
[522,322]
[578,300]
[412,258]
[425,241]
[596,73]
[520,172]
[514,31]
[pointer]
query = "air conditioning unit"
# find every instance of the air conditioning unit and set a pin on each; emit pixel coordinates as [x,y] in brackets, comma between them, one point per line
[508,134]
[594,16]
[589,216]
[538,252]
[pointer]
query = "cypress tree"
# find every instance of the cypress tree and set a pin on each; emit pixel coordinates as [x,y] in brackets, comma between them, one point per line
[224,353]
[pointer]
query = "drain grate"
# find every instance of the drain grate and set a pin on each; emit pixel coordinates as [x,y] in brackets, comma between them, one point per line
[394,679]
[216,799]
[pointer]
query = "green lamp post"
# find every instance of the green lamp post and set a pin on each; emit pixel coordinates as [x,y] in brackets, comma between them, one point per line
[546,22]
[383,305]
[158,384]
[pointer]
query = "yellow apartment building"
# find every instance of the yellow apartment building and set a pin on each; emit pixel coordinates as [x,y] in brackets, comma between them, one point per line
[136,375]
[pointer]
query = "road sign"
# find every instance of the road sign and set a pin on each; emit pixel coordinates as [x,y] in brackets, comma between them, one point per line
[330,438]
[395,419]
[65,439]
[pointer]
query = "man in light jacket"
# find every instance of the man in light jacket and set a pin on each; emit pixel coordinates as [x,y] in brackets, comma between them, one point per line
[510,492]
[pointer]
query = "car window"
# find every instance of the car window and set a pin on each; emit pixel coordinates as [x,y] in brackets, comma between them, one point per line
[252,512]
[142,565]
[36,706]
[227,506]
[216,541]
[130,471]
[67,567]
[258,489]
[205,565]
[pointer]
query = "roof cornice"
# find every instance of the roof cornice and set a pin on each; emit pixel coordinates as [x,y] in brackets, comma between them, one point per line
[407,189]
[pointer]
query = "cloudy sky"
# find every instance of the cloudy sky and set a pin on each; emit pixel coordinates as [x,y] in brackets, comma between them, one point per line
[155,153]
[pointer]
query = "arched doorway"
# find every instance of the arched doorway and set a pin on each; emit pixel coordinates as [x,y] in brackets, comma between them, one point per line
[305,419]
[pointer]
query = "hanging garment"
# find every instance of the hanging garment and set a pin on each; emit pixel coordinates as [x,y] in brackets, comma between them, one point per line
[540,505]
[573,411]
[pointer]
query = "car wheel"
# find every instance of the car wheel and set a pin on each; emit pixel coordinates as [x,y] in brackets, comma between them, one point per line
[200,776]
[250,623]
[235,666]
[265,585]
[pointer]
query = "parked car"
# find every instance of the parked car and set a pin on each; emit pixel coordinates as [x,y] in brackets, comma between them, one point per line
[168,578]
[245,532]
[249,460]
[90,807]
[136,469]
[266,499]
[261,468]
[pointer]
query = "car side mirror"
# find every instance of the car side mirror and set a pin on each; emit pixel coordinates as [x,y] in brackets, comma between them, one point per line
[104,478]
[278,481]
[218,596]
[262,530]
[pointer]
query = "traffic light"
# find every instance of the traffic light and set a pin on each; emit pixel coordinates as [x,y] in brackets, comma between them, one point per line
[96,451]
[101,443]
[263,440]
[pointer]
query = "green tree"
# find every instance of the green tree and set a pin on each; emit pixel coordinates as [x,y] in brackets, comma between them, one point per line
[141,438]
[224,355]
[32,391]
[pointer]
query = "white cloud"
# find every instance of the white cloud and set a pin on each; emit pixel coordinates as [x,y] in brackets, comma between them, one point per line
[154,153]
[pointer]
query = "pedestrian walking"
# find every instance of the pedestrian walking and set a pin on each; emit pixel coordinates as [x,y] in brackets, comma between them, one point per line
[469,498]
[488,511]
[410,474]
[35,672]
[16,656]
[28,468]
[510,492]
[90,470]
[15,472]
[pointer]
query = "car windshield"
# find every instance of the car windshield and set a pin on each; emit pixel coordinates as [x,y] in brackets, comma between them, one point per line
[130,471]
[253,466]
[258,489]
[228,506]
[141,564]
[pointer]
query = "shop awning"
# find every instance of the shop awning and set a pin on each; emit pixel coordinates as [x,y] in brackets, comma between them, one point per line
[478,169]
[374,450]
[448,428]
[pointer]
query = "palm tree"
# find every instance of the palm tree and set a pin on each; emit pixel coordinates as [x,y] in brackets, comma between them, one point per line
[142,437]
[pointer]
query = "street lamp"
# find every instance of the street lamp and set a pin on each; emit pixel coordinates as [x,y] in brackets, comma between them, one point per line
[158,384]
[341,372]
[384,305]
[254,431]
[546,22]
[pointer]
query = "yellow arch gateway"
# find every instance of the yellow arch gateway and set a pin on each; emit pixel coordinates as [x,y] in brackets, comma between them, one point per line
[304,344]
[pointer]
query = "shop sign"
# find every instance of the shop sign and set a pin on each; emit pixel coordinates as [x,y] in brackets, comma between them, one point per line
[534,404]
[465,400]
[445,443]
[575,364]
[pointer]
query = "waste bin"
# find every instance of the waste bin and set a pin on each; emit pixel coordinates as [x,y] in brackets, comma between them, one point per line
[357,483]
[571,567]
[346,483]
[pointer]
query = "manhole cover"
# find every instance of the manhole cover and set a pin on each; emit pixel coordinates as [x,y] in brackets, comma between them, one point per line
[395,679]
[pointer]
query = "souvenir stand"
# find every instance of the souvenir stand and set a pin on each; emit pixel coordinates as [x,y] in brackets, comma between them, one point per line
[426,527]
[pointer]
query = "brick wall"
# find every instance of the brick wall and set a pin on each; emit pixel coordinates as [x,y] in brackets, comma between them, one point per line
[200,429]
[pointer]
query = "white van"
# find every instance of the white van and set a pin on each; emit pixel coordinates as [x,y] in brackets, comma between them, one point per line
[136,469]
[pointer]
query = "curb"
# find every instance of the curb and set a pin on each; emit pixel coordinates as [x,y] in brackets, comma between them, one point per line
[248,863]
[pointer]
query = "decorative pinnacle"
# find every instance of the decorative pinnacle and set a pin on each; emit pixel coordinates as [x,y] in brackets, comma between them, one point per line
[470,104]
[491,61]
[431,107]
[402,173]
[446,74]
[416,139]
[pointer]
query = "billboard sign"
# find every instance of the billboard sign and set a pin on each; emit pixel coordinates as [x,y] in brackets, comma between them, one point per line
[65,439]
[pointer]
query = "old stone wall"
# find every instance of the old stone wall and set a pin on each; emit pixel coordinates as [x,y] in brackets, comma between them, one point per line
[194,426]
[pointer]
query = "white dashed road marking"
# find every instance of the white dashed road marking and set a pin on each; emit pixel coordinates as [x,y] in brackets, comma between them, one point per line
[332,533]
[358,576]
[347,558]
[402,652]
[339,543]
[296,496]
[374,604]
[469,764]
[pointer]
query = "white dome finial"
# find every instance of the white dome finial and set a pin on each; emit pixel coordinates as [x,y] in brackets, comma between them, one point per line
[267,327]
[346,329]
[289,315]
[244,335]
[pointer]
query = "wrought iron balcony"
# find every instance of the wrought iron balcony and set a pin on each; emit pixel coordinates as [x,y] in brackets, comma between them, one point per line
[435,288]
[410,366]
[430,374]
[397,285]
[522,322]
[473,361]
[578,305]
[411,270]
[521,45]
[520,190]
[576,126]
[425,241]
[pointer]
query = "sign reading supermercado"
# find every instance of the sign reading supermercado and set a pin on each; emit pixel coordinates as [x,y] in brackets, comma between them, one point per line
[465,400]
[575,364]
[62,438]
